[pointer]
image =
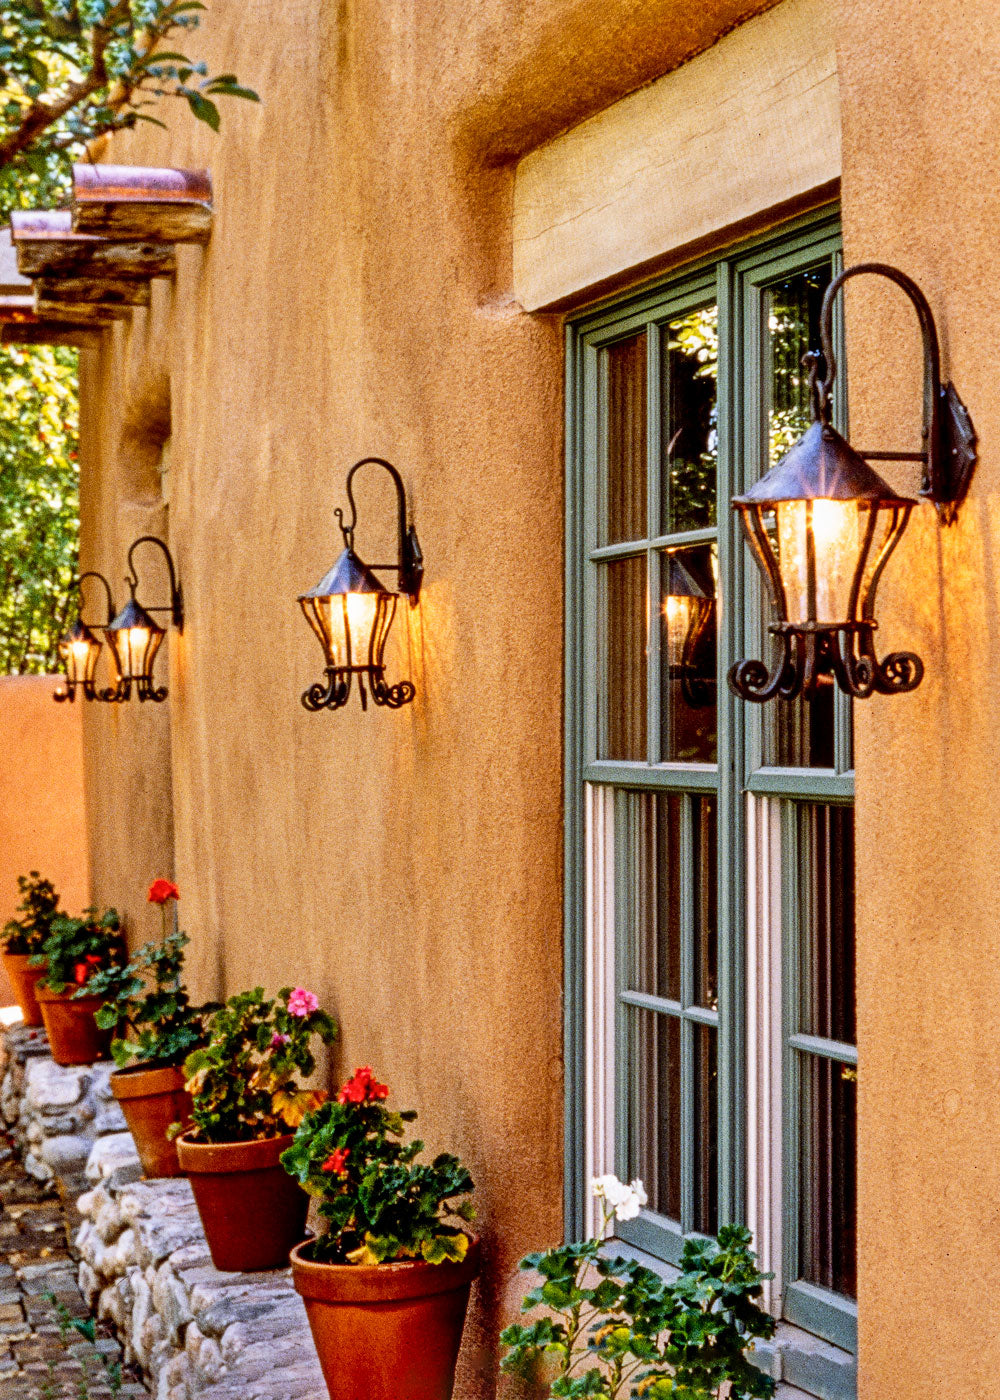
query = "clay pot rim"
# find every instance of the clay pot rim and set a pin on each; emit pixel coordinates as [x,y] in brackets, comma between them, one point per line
[25,958]
[378,1283]
[85,1003]
[220,1157]
[146,1081]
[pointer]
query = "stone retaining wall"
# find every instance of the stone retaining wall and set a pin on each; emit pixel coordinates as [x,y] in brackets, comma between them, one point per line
[198,1333]
[55,1113]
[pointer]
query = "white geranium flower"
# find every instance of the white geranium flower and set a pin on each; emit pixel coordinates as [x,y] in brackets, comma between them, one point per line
[625,1201]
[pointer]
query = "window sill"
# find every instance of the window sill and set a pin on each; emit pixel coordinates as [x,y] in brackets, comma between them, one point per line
[805,1367]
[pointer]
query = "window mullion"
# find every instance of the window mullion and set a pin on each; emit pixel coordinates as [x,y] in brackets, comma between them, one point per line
[689,1133]
[653,497]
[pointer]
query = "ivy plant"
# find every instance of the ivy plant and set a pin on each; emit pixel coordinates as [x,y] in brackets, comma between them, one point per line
[77,948]
[611,1327]
[244,1080]
[39,906]
[376,1200]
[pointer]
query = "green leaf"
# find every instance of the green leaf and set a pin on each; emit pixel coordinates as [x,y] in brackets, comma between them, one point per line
[204,110]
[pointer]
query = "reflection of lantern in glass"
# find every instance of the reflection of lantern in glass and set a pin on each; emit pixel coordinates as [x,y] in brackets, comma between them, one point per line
[134,639]
[351,611]
[80,649]
[822,525]
[689,617]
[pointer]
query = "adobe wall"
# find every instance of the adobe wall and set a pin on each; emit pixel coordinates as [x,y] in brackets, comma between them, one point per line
[356,298]
[921,187]
[42,823]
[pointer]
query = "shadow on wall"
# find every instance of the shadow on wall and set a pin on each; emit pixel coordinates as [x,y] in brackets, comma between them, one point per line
[42,824]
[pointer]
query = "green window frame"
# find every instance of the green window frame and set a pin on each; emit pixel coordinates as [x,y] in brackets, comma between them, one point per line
[751,763]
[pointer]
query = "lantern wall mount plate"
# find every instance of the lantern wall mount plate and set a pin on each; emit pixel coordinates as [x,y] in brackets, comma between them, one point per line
[133,636]
[351,611]
[822,525]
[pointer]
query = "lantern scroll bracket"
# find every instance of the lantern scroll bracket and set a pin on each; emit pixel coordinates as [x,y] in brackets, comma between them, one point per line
[410,564]
[949,438]
[176,605]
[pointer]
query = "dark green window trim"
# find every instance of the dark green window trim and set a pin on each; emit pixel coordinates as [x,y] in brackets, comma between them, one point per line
[736,283]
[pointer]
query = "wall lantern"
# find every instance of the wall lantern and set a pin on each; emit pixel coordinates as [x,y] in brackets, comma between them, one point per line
[133,637]
[351,611]
[80,648]
[822,525]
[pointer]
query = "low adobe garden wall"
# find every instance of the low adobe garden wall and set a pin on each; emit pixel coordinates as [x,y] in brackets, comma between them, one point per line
[198,1334]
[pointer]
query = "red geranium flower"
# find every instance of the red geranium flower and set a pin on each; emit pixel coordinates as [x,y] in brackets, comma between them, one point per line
[363,1086]
[162,890]
[335,1161]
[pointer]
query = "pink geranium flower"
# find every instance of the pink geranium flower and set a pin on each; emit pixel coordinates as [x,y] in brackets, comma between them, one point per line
[302,1003]
[279,1039]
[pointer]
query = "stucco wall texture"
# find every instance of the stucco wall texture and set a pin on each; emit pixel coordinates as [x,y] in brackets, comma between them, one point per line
[42,822]
[355,299]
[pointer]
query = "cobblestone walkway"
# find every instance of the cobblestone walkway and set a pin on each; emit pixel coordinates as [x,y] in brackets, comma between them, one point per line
[36,1363]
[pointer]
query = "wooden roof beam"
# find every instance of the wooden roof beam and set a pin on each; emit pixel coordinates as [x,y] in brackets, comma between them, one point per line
[146,204]
[46,246]
[37,332]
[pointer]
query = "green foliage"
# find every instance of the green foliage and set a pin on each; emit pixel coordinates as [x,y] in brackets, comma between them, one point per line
[77,948]
[148,1007]
[614,1328]
[39,906]
[96,1366]
[72,72]
[39,504]
[243,1080]
[378,1203]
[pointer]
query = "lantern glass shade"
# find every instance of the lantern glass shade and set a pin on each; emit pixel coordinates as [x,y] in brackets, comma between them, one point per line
[822,525]
[79,650]
[134,638]
[350,612]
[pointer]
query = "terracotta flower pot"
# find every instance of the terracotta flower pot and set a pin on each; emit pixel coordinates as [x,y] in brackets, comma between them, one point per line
[152,1099]
[252,1211]
[389,1330]
[22,980]
[74,1036]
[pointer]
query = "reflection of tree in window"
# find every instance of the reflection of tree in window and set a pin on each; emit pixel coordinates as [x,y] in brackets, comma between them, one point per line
[691,433]
[793,308]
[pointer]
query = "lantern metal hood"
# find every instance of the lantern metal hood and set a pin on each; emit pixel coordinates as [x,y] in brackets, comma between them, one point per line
[133,636]
[351,611]
[822,525]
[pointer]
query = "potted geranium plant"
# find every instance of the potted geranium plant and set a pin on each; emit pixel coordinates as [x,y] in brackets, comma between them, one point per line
[74,950]
[386,1284]
[247,1101]
[608,1326]
[147,1008]
[23,938]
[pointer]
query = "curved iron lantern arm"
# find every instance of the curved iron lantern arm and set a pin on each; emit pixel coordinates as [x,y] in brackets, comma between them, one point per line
[949,455]
[92,573]
[176,605]
[410,565]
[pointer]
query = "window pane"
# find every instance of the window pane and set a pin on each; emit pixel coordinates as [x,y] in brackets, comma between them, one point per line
[706,961]
[706,1125]
[655,918]
[654,1107]
[828,1203]
[828,1118]
[798,733]
[624,728]
[688,654]
[826,978]
[690,355]
[625,512]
